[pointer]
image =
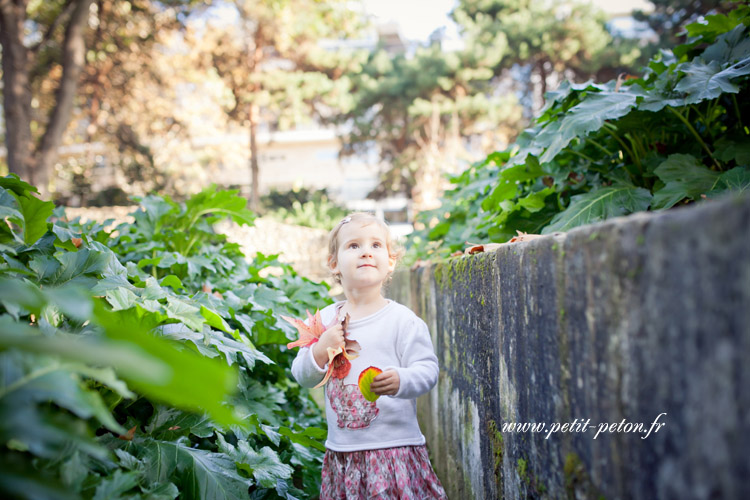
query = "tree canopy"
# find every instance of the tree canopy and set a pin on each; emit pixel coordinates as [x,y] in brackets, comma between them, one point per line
[144,84]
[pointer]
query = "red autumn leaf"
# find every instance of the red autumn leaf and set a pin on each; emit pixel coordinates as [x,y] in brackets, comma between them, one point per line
[485,247]
[341,366]
[308,333]
[339,358]
[128,436]
[524,237]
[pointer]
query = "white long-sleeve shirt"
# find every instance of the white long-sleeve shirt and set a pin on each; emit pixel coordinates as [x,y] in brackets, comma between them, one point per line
[391,338]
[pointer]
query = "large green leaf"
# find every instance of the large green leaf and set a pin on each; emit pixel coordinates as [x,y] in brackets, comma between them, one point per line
[309,437]
[185,312]
[9,207]
[105,376]
[708,81]
[18,203]
[151,365]
[35,214]
[125,358]
[152,290]
[9,211]
[507,184]
[20,480]
[172,281]
[194,382]
[74,301]
[729,47]
[74,265]
[262,400]
[51,381]
[169,423]
[598,205]
[733,149]
[214,320]
[44,431]
[120,298]
[232,349]
[736,181]
[200,474]
[684,177]
[160,491]
[582,119]
[114,486]
[13,182]
[264,465]
[223,202]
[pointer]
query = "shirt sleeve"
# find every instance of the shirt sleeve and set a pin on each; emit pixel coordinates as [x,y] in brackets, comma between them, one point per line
[418,372]
[305,370]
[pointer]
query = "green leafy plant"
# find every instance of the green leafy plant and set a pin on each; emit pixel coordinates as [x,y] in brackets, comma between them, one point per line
[304,208]
[674,136]
[149,361]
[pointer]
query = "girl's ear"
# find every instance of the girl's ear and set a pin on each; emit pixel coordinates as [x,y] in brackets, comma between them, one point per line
[332,265]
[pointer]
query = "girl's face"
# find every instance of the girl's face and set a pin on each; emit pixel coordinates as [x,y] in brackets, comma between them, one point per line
[362,257]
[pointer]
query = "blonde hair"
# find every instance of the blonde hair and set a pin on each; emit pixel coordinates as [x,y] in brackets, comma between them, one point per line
[395,251]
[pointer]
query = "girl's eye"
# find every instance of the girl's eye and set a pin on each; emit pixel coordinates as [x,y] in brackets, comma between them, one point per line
[353,245]
[376,245]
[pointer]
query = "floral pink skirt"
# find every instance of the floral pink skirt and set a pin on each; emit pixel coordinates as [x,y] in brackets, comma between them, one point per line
[390,473]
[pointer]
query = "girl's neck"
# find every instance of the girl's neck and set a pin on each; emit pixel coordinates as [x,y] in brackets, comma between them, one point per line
[360,305]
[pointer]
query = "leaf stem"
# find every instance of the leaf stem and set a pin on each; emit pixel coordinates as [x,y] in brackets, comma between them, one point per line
[695,134]
[737,112]
[199,215]
[154,272]
[637,147]
[702,118]
[611,129]
[582,155]
[602,148]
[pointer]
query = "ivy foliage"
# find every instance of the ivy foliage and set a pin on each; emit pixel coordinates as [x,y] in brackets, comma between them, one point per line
[148,362]
[675,135]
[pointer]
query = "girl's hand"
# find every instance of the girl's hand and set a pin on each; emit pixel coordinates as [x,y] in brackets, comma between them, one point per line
[386,384]
[333,338]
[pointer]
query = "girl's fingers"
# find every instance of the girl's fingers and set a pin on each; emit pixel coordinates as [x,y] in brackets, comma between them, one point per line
[385,384]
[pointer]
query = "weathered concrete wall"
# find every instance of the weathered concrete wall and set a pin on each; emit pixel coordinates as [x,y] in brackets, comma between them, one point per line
[626,319]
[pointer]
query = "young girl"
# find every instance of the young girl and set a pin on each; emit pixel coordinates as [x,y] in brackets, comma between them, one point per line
[374,449]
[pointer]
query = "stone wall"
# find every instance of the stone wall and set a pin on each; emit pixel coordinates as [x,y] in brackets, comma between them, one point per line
[626,319]
[303,247]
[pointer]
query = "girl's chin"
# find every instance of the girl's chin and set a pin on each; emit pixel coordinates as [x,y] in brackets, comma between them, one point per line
[362,283]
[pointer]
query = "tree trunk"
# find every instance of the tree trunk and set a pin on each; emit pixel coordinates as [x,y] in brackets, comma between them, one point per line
[73,60]
[453,149]
[543,90]
[427,179]
[254,191]
[34,165]
[256,52]
[16,88]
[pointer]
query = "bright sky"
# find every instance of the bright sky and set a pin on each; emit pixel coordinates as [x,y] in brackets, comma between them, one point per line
[416,18]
